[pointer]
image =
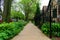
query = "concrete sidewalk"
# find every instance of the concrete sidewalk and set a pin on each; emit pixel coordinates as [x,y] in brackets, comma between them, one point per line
[31,32]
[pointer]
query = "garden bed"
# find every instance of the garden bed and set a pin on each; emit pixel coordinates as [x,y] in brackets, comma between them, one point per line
[9,30]
[56,38]
[55,29]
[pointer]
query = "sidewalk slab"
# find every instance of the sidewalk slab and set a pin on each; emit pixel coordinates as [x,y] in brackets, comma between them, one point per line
[31,32]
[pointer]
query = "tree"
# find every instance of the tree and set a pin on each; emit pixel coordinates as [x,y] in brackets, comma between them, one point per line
[37,15]
[29,6]
[17,15]
[6,11]
[0,6]
[16,11]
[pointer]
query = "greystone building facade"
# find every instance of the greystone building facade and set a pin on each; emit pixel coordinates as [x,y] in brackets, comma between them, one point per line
[55,10]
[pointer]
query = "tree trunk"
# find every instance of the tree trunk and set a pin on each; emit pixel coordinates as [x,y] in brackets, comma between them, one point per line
[0,6]
[7,10]
[26,16]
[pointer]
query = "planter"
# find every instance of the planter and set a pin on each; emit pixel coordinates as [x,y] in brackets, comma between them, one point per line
[57,38]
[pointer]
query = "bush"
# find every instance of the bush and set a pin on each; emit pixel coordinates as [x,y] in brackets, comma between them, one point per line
[55,27]
[9,30]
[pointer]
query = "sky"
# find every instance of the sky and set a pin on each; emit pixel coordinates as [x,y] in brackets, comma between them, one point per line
[44,3]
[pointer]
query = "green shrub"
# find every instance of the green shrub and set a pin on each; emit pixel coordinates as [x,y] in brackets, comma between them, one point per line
[53,39]
[9,30]
[55,27]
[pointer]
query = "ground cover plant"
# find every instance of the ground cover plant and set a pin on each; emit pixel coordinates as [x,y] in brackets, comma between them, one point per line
[9,30]
[55,27]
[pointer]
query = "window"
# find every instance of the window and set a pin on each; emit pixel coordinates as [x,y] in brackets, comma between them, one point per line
[59,9]
[59,2]
[55,13]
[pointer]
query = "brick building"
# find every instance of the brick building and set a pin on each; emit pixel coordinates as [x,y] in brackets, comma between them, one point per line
[44,13]
[55,10]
